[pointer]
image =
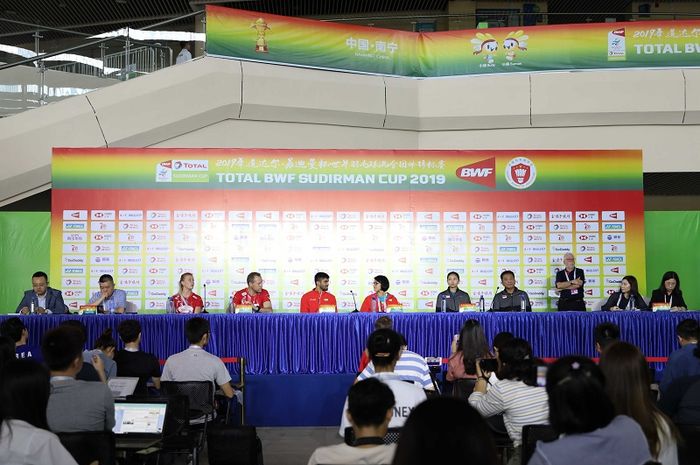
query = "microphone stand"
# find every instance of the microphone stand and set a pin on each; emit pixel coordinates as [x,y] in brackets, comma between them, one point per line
[354,302]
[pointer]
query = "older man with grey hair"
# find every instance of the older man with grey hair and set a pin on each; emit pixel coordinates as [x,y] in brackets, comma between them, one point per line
[569,282]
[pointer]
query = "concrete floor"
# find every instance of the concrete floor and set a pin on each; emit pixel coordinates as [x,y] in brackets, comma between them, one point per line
[281,446]
[293,446]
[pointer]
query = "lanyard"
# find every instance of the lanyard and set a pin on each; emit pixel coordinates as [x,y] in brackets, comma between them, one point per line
[567,275]
[630,301]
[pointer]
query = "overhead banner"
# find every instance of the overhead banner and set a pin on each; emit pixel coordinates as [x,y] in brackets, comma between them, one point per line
[310,43]
[148,215]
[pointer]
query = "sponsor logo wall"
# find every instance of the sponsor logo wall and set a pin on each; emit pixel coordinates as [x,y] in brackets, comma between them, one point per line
[410,215]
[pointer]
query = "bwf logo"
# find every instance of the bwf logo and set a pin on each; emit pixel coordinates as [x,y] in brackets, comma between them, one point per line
[481,172]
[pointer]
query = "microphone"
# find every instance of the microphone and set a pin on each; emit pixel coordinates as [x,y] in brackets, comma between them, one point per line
[204,309]
[354,302]
[497,288]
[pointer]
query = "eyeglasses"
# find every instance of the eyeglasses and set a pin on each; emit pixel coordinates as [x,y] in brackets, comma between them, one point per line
[375,283]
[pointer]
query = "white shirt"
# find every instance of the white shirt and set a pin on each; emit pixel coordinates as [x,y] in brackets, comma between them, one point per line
[183,56]
[410,367]
[519,403]
[406,395]
[24,444]
[344,454]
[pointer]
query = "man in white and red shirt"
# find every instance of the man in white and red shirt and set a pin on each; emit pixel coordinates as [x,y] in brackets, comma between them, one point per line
[319,299]
[252,298]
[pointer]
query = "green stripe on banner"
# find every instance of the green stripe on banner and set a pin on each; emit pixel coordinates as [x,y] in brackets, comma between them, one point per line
[24,249]
[672,245]
[270,38]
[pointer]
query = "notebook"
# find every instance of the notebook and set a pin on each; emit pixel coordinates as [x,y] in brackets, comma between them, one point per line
[122,386]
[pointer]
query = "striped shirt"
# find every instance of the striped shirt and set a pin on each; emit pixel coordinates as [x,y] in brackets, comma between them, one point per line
[410,367]
[519,403]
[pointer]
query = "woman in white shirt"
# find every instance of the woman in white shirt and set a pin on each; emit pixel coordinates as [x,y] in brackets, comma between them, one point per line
[516,395]
[627,383]
[24,435]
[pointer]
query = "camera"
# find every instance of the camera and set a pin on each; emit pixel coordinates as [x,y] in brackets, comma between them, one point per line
[488,364]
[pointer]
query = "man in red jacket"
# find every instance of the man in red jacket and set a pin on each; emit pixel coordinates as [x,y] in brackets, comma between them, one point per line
[319,299]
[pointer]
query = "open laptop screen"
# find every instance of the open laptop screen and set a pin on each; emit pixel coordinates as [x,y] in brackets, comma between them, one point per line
[139,418]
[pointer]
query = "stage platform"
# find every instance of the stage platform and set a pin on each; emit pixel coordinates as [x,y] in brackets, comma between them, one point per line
[300,366]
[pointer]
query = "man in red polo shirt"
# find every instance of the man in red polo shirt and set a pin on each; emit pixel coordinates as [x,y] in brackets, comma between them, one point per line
[252,298]
[319,299]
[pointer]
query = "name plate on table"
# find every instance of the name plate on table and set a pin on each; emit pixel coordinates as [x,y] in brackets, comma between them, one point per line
[326,309]
[659,307]
[468,308]
[87,310]
[394,309]
[244,308]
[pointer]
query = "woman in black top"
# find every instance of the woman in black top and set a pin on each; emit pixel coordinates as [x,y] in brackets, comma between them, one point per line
[627,298]
[669,292]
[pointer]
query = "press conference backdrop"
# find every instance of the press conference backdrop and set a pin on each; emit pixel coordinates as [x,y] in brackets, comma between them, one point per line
[148,215]
[671,243]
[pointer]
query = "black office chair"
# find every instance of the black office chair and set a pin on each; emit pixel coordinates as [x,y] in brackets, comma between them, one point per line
[462,388]
[234,445]
[90,446]
[200,395]
[178,439]
[689,448]
[391,436]
[532,434]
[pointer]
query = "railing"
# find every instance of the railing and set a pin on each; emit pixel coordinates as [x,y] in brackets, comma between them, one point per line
[22,89]
[120,65]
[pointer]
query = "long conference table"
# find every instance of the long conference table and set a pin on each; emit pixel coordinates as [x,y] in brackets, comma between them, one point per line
[299,367]
[332,343]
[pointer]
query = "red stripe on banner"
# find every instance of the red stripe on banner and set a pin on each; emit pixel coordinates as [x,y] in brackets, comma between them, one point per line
[595,359]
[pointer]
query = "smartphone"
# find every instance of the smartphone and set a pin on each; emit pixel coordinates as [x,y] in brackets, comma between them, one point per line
[488,364]
[542,375]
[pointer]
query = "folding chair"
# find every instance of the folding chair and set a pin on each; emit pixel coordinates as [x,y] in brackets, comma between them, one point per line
[504,445]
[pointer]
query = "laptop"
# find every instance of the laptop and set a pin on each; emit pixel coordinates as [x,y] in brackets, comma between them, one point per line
[122,386]
[139,425]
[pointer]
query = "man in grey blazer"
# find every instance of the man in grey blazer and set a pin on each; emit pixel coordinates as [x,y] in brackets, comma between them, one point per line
[44,298]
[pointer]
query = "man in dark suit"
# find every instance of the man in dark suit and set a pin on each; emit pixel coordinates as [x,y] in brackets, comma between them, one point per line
[44,298]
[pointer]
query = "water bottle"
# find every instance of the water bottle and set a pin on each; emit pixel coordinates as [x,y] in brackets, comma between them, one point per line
[444,304]
[522,303]
[170,307]
[31,309]
[482,304]
[373,305]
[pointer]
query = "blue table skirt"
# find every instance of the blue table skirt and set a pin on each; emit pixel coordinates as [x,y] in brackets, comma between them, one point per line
[282,344]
